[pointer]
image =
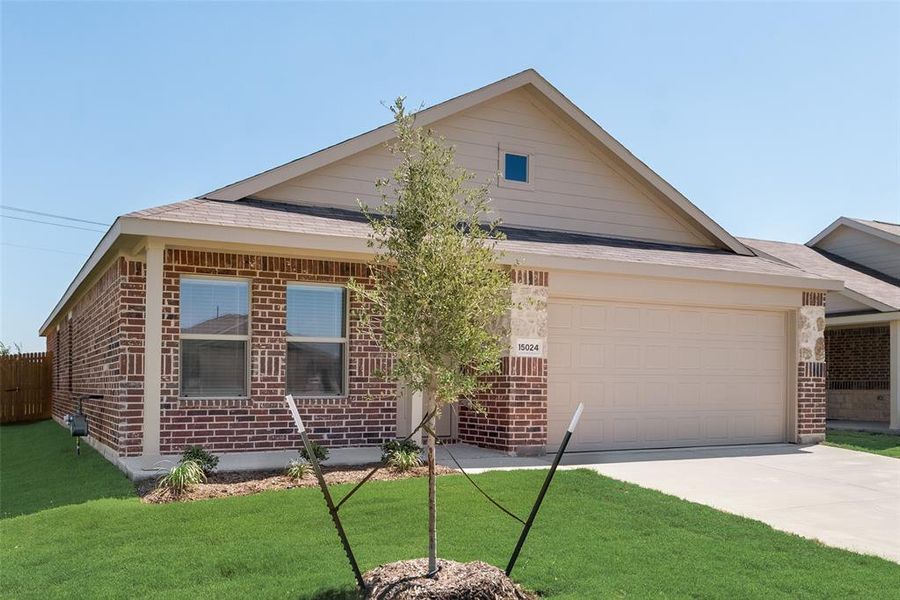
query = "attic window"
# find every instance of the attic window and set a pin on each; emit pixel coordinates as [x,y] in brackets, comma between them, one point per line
[515,167]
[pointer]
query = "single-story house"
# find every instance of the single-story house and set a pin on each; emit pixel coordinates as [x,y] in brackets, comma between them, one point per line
[194,319]
[862,321]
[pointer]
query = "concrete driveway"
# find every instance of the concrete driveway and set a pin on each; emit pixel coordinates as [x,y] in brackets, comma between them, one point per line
[840,497]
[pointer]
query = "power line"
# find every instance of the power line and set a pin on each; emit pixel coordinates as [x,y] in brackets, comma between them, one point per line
[43,214]
[49,223]
[43,249]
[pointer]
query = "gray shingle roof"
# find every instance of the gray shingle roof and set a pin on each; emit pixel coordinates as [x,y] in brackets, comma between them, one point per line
[892,228]
[857,278]
[261,214]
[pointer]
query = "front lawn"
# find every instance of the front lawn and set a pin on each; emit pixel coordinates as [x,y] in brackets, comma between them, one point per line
[39,470]
[594,538]
[877,443]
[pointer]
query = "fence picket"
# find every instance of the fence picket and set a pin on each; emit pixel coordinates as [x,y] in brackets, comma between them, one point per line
[25,391]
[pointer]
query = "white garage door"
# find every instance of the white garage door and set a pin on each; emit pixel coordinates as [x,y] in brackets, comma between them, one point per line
[653,376]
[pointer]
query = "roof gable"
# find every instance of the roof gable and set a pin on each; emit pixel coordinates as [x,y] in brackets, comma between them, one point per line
[873,244]
[652,208]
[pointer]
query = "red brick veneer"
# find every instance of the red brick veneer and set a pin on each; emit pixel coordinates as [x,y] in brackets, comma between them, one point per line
[859,373]
[262,422]
[99,350]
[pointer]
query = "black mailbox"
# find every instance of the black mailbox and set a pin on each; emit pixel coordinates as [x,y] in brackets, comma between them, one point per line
[78,425]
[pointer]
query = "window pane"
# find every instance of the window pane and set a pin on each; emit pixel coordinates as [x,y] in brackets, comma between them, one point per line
[214,307]
[315,369]
[213,368]
[314,311]
[516,168]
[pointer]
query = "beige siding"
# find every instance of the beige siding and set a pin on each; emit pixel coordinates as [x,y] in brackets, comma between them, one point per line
[575,187]
[867,250]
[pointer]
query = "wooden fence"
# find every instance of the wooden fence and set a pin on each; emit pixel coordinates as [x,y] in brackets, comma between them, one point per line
[25,387]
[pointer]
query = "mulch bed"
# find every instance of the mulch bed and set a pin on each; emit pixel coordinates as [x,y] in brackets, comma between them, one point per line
[406,580]
[244,483]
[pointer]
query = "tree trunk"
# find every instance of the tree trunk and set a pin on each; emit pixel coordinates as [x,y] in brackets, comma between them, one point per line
[432,488]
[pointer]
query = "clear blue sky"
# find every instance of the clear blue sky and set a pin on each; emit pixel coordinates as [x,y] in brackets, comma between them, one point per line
[773,118]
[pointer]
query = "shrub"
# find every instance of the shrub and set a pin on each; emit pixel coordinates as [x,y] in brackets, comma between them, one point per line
[199,455]
[388,448]
[182,476]
[298,469]
[401,455]
[403,460]
[320,452]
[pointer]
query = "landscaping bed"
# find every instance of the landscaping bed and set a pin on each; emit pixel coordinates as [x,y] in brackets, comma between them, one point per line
[244,483]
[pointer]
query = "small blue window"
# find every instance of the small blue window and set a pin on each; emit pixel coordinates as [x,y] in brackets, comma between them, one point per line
[516,168]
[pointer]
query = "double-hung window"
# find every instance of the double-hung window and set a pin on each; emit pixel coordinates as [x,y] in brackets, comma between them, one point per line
[316,340]
[215,337]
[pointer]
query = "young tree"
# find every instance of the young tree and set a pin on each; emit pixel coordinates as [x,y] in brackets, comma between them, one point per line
[437,294]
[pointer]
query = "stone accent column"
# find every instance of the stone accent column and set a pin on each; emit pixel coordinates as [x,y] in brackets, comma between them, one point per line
[894,396]
[811,369]
[515,418]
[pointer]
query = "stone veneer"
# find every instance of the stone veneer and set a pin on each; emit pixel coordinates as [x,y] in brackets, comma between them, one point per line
[514,416]
[811,368]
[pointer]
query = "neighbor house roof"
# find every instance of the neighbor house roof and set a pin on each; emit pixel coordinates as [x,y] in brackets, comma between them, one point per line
[862,284]
[882,229]
[528,78]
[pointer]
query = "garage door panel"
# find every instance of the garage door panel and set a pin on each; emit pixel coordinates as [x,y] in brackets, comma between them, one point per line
[663,376]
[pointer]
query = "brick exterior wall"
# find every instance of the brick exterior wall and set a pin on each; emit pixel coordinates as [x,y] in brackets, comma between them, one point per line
[99,350]
[515,408]
[859,373]
[262,422]
[514,403]
[811,369]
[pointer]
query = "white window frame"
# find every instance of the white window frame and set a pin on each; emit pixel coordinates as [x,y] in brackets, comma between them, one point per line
[344,340]
[225,337]
[528,153]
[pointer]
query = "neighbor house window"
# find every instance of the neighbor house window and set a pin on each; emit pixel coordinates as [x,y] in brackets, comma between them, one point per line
[316,340]
[214,337]
[515,167]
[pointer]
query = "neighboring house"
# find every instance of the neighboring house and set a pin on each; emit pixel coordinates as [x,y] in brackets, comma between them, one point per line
[633,301]
[862,334]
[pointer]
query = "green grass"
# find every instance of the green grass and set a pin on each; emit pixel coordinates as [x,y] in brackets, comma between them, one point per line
[884,444]
[39,470]
[594,538]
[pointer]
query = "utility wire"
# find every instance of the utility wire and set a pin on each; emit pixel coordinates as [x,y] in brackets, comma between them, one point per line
[43,214]
[49,223]
[43,249]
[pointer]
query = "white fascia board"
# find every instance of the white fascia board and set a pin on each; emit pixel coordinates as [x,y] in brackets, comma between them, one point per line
[881,317]
[357,247]
[195,234]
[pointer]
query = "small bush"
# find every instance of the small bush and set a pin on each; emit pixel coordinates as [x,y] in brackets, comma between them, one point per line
[401,455]
[388,448]
[182,476]
[199,455]
[404,460]
[298,469]
[319,451]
